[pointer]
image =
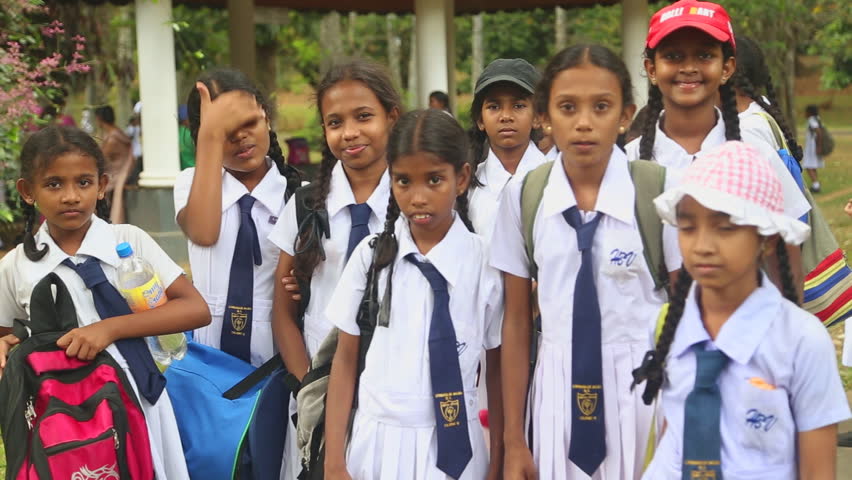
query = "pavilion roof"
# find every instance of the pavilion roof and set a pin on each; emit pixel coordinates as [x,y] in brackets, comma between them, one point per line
[404,6]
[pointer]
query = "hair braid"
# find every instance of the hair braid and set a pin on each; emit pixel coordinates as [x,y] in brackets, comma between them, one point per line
[102,210]
[787,286]
[649,129]
[30,249]
[653,367]
[386,243]
[775,111]
[730,114]
[294,178]
[463,208]
[308,249]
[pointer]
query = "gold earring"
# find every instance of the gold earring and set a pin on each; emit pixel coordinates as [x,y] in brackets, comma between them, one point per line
[724,80]
[621,129]
[653,81]
[548,129]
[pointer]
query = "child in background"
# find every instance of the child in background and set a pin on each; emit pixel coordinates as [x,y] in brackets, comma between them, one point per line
[750,383]
[812,159]
[596,292]
[440,101]
[116,146]
[417,394]
[63,176]
[186,144]
[503,121]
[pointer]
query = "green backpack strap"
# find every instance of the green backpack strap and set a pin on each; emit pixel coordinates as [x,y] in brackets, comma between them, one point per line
[649,181]
[532,191]
[776,130]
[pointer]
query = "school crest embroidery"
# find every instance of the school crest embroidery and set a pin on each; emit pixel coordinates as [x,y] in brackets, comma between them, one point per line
[239,320]
[106,472]
[450,410]
[588,402]
[703,475]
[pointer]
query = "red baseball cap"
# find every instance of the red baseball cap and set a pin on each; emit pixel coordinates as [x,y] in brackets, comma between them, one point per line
[708,17]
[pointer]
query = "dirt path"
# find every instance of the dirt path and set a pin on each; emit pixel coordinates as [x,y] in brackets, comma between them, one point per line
[846,192]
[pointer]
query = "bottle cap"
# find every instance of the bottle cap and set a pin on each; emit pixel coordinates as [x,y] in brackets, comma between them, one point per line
[124,250]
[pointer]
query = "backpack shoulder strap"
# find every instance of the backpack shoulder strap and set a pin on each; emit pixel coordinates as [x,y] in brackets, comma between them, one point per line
[776,130]
[649,181]
[48,314]
[532,190]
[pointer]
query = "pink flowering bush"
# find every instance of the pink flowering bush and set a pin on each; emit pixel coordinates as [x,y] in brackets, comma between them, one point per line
[37,61]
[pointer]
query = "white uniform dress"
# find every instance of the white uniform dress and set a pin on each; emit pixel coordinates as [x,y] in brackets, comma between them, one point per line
[393,436]
[810,158]
[19,275]
[628,304]
[675,158]
[327,273]
[211,267]
[781,379]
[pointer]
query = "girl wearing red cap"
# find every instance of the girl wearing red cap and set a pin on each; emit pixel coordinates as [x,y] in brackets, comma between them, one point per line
[690,59]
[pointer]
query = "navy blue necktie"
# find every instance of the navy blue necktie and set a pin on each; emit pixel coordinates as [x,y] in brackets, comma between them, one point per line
[454,449]
[702,440]
[588,431]
[360,213]
[236,323]
[109,303]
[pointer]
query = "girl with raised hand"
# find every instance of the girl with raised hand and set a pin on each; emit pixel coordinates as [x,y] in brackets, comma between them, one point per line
[750,387]
[596,292]
[416,402]
[63,178]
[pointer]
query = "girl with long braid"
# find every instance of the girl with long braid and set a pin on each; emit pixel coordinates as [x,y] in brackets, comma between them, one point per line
[416,403]
[750,387]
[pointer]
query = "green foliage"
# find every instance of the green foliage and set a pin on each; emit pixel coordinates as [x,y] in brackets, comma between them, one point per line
[833,42]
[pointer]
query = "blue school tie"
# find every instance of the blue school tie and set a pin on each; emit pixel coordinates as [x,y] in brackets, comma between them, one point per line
[360,213]
[702,440]
[109,303]
[454,449]
[236,324]
[588,432]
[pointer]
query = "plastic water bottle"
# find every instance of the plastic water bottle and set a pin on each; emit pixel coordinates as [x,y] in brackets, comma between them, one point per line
[140,286]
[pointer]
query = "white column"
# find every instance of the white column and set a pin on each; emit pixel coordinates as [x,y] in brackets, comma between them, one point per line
[432,47]
[634,29]
[450,16]
[158,92]
[241,36]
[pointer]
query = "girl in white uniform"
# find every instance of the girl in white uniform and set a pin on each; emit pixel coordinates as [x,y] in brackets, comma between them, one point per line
[749,379]
[587,99]
[689,59]
[417,395]
[62,172]
[358,106]
[240,169]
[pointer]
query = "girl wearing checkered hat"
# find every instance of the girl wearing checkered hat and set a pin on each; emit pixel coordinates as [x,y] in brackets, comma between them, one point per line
[750,387]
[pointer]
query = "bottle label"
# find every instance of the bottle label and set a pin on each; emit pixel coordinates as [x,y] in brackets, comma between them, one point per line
[147,296]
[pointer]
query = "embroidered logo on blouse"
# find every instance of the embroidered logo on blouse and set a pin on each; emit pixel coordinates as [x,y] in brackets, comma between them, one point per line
[621,258]
[461,347]
[759,421]
[273,219]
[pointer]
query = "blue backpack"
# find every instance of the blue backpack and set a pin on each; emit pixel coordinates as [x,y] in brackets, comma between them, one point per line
[232,417]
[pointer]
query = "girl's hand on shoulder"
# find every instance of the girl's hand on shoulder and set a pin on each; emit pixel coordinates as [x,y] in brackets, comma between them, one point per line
[228,112]
[291,285]
[6,344]
[86,342]
[519,464]
[848,208]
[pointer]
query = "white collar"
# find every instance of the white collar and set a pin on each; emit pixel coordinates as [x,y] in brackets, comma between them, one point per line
[753,109]
[741,334]
[99,242]
[494,175]
[662,142]
[269,192]
[340,193]
[616,195]
[444,256]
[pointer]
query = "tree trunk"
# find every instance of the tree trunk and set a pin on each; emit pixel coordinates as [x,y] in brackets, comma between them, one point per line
[477,54]
[393,50]
[126,67]
[350,34]
[331,41]
[412,66]
[561,34]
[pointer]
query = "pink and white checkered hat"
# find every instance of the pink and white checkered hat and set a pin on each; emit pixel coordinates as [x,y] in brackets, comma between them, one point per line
[735,179]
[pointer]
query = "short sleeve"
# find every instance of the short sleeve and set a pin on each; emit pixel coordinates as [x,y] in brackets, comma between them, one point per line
[817,396]
[671,247]
[813,123]
[795,203]
[493,298]
[183,183]
[508,251]
[756,127]
[10,308]
[283,234]
[632,149]
[343,306]
[167,270]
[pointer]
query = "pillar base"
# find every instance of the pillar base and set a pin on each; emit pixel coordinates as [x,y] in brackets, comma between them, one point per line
[153,210]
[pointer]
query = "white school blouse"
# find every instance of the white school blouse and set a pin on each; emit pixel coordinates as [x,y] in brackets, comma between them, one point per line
[393,435]
[675,158]
[494,177]
[327,273]
[781,379]
[19,275]
[810,158]
[211,266]
[628,304]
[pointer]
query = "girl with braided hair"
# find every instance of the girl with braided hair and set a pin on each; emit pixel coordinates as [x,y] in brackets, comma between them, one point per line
[750,387]
[416,402]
